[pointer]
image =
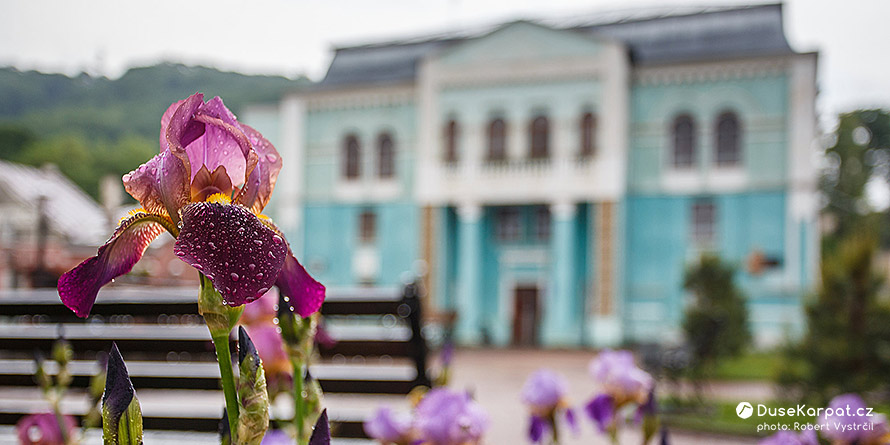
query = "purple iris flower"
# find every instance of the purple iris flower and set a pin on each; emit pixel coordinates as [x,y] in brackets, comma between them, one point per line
[807,437]
[620,377]
[276,437]
[602,411]
[850,422]
[389,427]
[445,417]
[43,429]
[544,391]
[207,187]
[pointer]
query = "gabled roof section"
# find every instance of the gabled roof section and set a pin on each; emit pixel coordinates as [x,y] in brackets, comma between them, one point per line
[71,212]
[672,36]
[521,40]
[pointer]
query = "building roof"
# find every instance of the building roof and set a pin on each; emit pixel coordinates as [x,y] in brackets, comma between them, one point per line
[653,37]
[71,212]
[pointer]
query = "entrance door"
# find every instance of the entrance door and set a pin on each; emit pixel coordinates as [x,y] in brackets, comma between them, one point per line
[525,316]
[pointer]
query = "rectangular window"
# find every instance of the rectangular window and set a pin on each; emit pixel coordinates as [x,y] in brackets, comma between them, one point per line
[508,224]
[542,223]
[367,227]
[704,222]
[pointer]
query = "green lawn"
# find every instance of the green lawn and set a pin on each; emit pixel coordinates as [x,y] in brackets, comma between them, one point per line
[750,366]
[721,418]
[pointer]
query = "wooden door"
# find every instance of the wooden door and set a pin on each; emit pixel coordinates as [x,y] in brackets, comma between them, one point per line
[525,316]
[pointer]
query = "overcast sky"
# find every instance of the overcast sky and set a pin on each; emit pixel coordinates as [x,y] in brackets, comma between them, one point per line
[293,37]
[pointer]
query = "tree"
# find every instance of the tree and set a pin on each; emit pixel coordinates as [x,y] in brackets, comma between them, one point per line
[716,324]
[847,344]
[860,152]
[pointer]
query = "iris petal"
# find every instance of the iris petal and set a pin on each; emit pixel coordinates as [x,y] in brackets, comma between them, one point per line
[536,429]
[160,185]
[601,410]
[79,286]
[238,253]
[259,185]
[183,130]
[305,295]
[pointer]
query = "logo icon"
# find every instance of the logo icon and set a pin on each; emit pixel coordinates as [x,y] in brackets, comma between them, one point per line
[744,410]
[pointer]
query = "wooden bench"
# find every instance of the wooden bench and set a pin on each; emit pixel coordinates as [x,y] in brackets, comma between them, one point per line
[379,351]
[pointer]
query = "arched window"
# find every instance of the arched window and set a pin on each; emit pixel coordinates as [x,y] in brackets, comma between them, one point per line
[451,135]
[497,140]
[728,144]
[684,141]
[351,157]
[386,157]
[588,135]
[540,136]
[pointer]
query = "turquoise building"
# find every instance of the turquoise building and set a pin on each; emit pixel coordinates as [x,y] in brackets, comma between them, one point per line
[551,183]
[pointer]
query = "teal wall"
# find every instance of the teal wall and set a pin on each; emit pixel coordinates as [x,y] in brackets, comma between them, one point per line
[659,246]
[326,130]
[331,238]
[761,104]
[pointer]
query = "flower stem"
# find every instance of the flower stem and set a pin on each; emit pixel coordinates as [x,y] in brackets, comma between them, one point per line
[299,414]
[224,357]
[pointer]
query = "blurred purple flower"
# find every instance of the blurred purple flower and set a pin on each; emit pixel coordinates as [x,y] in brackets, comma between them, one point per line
[536,429]
[646,409]
[271,349]
[447,354]
[807,437]
[206,187]
[620,377]
[43,429]
[389,427]
[276,437]
[261,310]
[544,391]
[444,417]
[850,423]
[602,411]
[323,336]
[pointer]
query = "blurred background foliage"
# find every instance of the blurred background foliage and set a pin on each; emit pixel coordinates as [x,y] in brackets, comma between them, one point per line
[101,126]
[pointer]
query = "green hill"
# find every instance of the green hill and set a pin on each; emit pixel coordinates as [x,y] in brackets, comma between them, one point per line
[95,126]
[131,105]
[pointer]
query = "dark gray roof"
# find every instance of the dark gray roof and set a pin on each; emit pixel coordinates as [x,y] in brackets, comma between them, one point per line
[657,38]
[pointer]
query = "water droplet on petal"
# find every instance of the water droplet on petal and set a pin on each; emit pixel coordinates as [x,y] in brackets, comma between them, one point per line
[234,276]
[259,276]
[251,266]
[271,255]
[212,245]
[271,157]
[258,242]
[277,239]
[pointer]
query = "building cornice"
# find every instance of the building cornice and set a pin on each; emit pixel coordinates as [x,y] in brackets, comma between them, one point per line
[358,97]
[716,70]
